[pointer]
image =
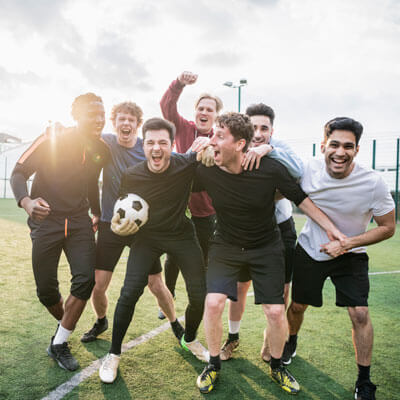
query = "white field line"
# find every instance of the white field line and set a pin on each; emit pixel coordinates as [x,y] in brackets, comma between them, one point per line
[87,372]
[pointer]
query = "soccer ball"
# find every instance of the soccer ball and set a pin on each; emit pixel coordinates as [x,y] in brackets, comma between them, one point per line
[133,207]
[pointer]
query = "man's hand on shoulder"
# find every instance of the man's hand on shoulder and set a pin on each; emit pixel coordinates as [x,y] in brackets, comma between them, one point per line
[206,156]
[55,129]
[123,228]
[253,156]
[38,209]
[187,78]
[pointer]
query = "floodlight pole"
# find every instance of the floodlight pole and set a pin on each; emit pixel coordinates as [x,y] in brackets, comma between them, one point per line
[239,86]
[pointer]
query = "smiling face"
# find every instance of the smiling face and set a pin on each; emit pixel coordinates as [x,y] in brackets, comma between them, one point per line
[91,122]
[126,126]
[339,150]
[228,152]
[205,115]
[262,130]
[157,148]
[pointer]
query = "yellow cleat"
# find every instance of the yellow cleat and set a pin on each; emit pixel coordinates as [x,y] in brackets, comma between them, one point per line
[206,380]
[285,380]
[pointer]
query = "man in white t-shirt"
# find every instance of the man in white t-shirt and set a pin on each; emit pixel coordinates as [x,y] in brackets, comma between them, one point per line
[350,195]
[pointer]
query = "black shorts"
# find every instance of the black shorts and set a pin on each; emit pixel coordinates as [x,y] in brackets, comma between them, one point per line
[349,274]
[110,247]
[264,265]
[289,237]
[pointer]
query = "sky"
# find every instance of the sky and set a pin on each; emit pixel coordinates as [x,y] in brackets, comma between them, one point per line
[311,60]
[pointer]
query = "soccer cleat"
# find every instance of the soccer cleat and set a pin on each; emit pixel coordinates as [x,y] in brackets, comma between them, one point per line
[196,348]
[289,351]
[109,368]
[63,356]
[161,314]
[91,335]
[365,390]
[206,380]
[285,379]
[228,348]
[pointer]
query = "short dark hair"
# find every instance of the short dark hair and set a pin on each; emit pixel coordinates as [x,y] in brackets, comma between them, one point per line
[261,109]
[344,124]
[239,126]
[129,107]
[156,124]
[80,103]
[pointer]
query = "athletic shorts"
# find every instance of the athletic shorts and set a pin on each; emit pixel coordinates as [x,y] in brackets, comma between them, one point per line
[348,272]
[110,246]
[265,265]
[289,237]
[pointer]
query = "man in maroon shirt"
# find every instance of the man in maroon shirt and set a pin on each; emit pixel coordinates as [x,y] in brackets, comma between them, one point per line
[207,107]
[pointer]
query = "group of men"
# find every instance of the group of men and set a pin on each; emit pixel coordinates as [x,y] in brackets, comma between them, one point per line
[237,180]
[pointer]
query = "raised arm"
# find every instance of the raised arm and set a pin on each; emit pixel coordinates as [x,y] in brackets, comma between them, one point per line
[169,101]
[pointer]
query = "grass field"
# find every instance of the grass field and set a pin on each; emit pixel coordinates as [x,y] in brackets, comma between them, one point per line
[159,368]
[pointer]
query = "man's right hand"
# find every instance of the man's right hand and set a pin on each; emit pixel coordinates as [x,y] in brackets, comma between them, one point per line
[187,78]
[54,129]
[38,209]
[123,228]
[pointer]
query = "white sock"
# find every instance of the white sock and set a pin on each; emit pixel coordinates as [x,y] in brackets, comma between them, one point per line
[234,326]
[62,335]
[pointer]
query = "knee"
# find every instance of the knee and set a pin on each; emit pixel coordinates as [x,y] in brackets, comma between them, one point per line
[156,284]
[297,308]
[359,315]
[82,289]
[215,304]
[49,296]
[275,312]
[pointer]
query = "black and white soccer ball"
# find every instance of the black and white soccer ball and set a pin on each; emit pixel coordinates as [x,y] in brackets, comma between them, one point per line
[133,207]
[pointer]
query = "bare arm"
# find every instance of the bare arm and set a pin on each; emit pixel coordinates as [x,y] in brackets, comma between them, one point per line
[312,211]
[385,229]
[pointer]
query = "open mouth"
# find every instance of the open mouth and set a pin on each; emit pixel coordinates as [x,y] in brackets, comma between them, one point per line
[203,120]
[125,132]
[338,162]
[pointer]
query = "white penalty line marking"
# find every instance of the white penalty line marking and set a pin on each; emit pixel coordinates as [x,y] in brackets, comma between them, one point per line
[87,372]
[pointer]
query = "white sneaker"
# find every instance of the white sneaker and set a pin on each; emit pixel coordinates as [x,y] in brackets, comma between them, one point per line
[197,349]
[109,369]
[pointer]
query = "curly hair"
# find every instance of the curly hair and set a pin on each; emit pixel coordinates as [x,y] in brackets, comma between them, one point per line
[129,107]
[343,123]
[261,109]
[239,126]
[81,102]
[218,102]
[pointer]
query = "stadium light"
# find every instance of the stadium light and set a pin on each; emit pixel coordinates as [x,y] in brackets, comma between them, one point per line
[239,86]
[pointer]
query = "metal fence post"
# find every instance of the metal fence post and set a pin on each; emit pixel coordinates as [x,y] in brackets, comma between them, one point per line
[396,195]
[313,149]
[373,153]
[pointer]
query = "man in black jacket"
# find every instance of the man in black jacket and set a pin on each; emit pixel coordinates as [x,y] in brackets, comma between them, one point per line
[66,171]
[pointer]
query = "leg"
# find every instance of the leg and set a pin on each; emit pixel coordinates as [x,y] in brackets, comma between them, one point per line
[363,334]
[164,297]
[214,307]
[295,316]
[171,272]
[99,295]
[236,310]
[277,328]
[73,309]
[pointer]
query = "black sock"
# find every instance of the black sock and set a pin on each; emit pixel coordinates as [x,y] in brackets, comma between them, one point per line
[216,362]
[275,363]
[363,373]
[189,337]
[177,328]
[233,336]
[293,339]
[102,321]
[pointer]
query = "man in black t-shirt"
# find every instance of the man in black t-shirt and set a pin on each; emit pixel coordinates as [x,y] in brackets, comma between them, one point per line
[247,237]
[164,180]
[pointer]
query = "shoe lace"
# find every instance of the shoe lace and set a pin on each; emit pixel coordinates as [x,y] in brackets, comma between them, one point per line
[65,352]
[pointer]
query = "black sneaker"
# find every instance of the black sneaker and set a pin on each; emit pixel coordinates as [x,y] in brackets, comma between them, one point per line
[91,335]
[365,390]
[63,356]
[289,351]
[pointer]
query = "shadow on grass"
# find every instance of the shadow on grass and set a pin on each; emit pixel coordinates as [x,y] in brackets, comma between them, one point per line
[99,347]
[118,387]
